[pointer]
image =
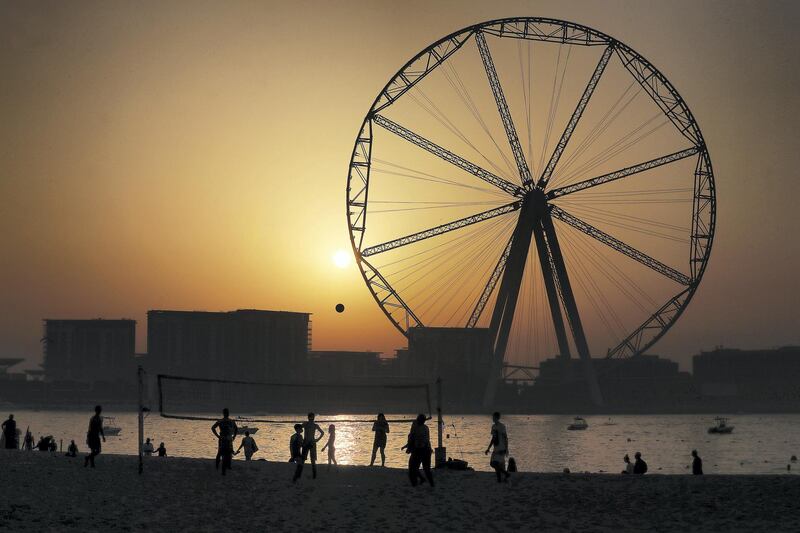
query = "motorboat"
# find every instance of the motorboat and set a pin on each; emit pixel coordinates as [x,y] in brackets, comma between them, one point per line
[110,427]
[721,426]
[251,430]
[578,424]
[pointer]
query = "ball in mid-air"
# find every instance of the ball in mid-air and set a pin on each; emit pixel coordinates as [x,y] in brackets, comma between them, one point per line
[340,308]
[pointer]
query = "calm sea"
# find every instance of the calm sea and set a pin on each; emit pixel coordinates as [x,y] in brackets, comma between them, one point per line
[759,444]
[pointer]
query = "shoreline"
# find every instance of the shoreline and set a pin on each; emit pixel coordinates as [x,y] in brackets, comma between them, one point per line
[53,492]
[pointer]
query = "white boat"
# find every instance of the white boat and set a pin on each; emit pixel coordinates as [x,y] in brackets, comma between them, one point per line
[578,424]
[110,427]
[721,426]
[249,429]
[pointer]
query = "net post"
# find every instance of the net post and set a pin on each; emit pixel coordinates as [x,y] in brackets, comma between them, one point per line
[140,409]
[440,457]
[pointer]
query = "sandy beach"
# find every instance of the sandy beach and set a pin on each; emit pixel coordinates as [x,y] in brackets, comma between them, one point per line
[41,491]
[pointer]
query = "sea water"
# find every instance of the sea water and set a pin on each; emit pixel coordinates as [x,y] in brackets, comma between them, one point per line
[759,444]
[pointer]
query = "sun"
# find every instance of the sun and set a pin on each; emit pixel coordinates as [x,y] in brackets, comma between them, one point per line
[341,259]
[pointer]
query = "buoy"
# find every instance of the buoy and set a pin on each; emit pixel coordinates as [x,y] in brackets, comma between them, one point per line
[339,308]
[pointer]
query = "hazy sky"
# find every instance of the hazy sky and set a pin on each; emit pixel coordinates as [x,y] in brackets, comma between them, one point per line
[193,155]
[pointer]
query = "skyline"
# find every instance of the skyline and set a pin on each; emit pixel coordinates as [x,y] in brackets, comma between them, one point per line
[143,159]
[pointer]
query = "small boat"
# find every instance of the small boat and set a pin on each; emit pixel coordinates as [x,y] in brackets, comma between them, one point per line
[578,423]
[110,427]
[722,426]
[249,429]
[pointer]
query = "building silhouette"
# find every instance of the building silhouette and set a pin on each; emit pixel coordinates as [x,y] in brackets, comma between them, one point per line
[88,351]
[246,344]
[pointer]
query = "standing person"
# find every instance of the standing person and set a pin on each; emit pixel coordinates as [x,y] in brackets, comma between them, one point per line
[697,464]
[499,447]
[296,445]
[639,466]
[628,465]
[28,442]
[162,450]
[93,436]
[249,445]
[9,428]
[148,448]
[381,428]
[225,430]
[310,440]
[419,441]
[331,445]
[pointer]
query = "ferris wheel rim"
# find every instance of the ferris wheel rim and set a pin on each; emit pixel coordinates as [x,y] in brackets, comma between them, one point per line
[634,344]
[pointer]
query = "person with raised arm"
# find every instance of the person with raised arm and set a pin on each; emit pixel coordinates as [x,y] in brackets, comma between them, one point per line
[381,428]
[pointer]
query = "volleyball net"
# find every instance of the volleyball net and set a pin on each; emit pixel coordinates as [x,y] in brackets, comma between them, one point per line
[192,398]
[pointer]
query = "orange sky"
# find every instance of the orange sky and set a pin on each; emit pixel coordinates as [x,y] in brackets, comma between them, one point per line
[193,155]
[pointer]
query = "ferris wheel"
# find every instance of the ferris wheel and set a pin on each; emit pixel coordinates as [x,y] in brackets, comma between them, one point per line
[537,178]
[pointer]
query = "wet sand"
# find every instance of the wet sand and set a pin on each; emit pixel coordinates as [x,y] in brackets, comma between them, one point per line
[40,491]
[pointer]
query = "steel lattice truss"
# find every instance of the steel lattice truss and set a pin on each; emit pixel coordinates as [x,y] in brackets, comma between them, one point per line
[530,199]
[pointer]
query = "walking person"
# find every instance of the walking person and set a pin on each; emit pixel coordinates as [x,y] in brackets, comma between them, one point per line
[310,440]
[9,428]
[161,450]
[381,428]
[249,445]
[419,441]
[93,436]
[499,447]
[225,430]
[331,445]
[697,464]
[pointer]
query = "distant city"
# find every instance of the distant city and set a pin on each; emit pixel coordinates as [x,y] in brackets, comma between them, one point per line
[89,361]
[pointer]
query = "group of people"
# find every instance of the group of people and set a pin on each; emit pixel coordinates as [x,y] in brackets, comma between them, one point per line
[303,446]
[148,450]
[639,466]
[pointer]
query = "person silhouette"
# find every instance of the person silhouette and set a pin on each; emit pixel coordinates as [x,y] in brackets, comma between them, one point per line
[628,465]
[419,442]
[249,445]
[72,449]
[93,436]
[331,445]
[499,447]
[9,428]
[147,448]
[697,464]
[296,445]
[162,450]
[310,440]
[225,430]
[639,466]
[28,442]
[381,428]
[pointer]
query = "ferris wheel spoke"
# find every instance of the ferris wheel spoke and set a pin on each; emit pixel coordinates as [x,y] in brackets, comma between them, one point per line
[622,173]
[576,116]
[438,230]
[618,245]
[490,285]
[447,155]
[502,107]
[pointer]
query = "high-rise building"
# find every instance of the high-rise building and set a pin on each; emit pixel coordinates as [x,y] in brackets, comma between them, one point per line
[89,350]
[246,344]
